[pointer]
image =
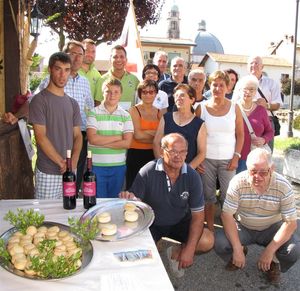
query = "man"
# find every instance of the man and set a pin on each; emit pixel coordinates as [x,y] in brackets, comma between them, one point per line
[88,68]
[118,59]
[269,88]
[56,123]
[174,191]
[160,59]
[78,88]
[197,79]
[264,204]
[178,68]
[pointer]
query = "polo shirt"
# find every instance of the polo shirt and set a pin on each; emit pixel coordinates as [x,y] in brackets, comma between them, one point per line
[106,123]
[93,76]
[171,203]
[129,85]
[258,212]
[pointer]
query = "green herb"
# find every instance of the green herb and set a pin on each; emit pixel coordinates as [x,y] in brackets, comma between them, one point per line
[46,265]
[23,219]
[87,229]
[4,254]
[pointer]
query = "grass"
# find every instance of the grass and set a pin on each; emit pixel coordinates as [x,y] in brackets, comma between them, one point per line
[283,143]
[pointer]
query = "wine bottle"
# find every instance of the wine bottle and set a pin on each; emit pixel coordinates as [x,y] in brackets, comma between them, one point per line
[89,184]
[69,185]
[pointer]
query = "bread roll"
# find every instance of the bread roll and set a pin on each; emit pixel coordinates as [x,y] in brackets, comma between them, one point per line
[20,263]
[109,229]
[31,230]
[129,206]
[104,217]
[131,216]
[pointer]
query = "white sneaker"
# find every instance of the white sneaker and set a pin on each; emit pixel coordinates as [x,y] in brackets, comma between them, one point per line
[173,264]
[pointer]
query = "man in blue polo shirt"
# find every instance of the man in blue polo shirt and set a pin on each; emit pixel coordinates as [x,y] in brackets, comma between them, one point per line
[174,191]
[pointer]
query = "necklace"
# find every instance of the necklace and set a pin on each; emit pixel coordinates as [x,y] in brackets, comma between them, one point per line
[248,109]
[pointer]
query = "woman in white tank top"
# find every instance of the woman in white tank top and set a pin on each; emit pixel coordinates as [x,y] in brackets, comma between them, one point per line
[225,136]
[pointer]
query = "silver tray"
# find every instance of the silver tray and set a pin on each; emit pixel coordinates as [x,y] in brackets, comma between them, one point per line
[116,209]
[87,252]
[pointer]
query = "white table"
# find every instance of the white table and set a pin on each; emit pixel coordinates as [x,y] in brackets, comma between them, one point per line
[104,272]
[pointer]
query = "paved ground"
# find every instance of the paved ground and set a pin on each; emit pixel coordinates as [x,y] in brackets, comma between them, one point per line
[208,271]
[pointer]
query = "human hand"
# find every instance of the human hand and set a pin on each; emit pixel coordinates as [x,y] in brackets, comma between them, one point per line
[258,141]
[239,258]
[233,164]
[185,258]
[200,169]
[63,166]
[8,117]
[127,195]
[262,102]
[265,260]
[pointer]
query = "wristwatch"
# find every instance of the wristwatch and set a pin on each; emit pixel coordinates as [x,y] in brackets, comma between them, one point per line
[269,106]
[238,154]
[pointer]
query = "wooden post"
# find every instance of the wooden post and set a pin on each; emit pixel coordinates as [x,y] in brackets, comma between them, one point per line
[2,79]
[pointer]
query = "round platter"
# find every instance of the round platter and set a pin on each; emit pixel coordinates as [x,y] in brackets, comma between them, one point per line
[125,229]
[87,252]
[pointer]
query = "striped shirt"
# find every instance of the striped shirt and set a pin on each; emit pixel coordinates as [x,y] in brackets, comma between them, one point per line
[258,212]
[79,89]
[105,123]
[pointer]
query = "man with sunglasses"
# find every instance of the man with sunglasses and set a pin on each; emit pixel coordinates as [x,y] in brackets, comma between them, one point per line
[259,209]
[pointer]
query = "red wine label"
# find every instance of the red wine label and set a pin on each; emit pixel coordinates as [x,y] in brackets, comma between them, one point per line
[69,189]
[89,188]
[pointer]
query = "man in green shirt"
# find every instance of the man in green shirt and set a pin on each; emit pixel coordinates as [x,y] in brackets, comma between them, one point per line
[118,59]
[88,68]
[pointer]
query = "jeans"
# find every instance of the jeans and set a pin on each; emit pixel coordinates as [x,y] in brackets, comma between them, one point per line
[287,254]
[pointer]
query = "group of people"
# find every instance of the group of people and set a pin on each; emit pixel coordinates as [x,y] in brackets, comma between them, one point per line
[165,142]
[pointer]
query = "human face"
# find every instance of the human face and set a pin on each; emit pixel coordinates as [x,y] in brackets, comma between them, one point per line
[148,95]
[218,88]
[259,175]
[162,63]
[197,81]
[90,53]
[112,95]
[59,74]
[248,91]
[151,74]
[232,83]
[174,155]
[255,67]
[118,60]
[183,100]
[178,69]
[76,54]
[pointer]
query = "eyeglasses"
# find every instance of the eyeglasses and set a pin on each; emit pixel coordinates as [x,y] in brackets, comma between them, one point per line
[174,153]
[197,79]
[151,92]
[151,73]
[250,90]
[262,173]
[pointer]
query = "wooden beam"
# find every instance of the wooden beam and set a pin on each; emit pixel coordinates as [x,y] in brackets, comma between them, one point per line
[2,77]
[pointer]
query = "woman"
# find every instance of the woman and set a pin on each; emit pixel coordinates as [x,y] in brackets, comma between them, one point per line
[257,116]
[152,72]
[233,77]
[145,118]
[225,135]
[185,122]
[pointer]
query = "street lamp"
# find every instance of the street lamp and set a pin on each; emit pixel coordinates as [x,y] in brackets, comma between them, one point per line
[35,21]
[291,105]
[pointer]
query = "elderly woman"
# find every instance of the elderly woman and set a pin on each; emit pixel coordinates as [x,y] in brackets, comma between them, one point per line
[225,136]
[257,116]
[185,122]
[145,118]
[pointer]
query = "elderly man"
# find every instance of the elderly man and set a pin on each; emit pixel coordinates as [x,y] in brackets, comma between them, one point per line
[118,59]
[196,79]
[88,68]
[259,209]
[161,60]
[174,191]
[178,68]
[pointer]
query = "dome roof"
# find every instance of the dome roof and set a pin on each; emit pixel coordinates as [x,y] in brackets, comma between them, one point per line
[175,8]
[206,42]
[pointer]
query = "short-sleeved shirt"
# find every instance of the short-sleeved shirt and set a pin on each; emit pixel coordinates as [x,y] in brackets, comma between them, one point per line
[59,114]
[129,85]
[93,76]
[106,123]
[170,203]
[77,88]
[258,212]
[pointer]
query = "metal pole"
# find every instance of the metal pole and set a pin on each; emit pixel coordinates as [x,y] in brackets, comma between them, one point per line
[291,111]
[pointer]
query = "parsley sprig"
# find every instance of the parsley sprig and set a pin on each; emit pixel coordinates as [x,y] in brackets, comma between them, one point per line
[87,229]
[23,219]
[4,255]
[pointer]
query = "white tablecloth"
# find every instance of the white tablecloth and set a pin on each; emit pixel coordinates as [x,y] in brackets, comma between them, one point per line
[104,272]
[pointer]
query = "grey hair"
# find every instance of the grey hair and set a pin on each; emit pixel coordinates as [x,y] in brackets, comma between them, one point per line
[157,55]
[250,79]
[196,71]
[251,58]
[165,141]
[259,154]
[177,58]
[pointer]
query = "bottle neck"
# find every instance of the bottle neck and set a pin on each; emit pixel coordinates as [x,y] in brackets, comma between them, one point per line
[89,164]
[69,164]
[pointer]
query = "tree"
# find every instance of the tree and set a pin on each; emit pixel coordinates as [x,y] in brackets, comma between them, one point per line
[286,87]
[100,20]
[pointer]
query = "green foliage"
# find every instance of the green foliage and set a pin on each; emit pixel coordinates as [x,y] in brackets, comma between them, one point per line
[35,81]
[296,122]
[284,144]
[87,229]
[23,219]
[36,60]
[286,87]
[4,255]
